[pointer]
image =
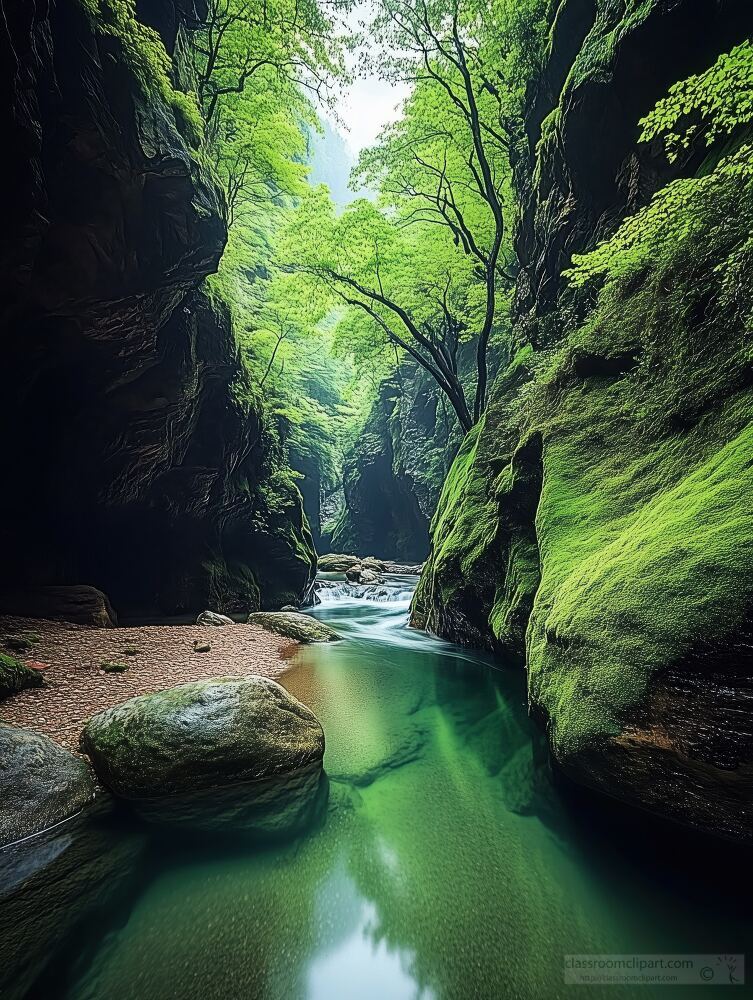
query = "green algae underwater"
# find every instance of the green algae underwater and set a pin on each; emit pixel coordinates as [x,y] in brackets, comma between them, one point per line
[444,864]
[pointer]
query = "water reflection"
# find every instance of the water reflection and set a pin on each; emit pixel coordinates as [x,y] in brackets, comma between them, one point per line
[447,867]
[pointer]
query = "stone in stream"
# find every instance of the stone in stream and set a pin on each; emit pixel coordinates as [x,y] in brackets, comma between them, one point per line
[358,574]
[41,784]
[231,750]
[375,565]
[213,618]
[335,562]
[294,625]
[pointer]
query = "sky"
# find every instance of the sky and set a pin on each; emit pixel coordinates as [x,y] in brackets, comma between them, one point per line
[369,103]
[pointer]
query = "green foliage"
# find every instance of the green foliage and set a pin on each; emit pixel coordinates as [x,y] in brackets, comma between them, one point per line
[710,106]
[676,216]
[705,107]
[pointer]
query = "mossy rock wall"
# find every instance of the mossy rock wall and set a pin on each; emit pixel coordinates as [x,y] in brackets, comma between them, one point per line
[597,526]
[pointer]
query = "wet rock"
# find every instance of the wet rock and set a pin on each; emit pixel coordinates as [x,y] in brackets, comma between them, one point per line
[80,604]
[294,625]
[15,676]
[41,784]
[335,562]
[289,607]
[359,574]
[375,565]
[403,569]
[204,735]
[213,618]
[52,884]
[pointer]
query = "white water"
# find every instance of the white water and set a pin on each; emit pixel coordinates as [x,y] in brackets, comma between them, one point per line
[335,589]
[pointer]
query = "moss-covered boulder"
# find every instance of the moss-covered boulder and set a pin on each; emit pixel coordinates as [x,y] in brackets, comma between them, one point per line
[293,625]
[41,784]
[336,562]
[15,676]
[205,735]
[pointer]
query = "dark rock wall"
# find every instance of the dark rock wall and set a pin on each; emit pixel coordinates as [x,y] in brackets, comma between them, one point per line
[130,463]
[596,526]
[393,472]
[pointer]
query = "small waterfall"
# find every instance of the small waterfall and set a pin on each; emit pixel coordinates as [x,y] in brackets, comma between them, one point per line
[333,591]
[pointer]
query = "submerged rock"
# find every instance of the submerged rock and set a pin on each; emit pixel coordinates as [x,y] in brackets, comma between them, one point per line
[213,618]
[52,883]
[203,735]
[269,809]
[15,676]
[302,628]
[41,784]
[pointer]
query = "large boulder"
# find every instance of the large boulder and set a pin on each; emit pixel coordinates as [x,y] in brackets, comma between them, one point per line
[80,604]
[208,734]
[335,562]
[41,784]
[404,569]
[214,619]
[293,625]
[15,676]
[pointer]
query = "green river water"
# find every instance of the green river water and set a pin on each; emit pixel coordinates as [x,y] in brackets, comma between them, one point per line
[442,863]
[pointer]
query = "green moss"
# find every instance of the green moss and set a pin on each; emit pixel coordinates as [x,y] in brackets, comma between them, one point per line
[470,536]
[143,51]
[15,676]
[111,667]
[643,554]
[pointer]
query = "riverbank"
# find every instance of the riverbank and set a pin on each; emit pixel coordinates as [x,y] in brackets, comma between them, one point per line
[155,657]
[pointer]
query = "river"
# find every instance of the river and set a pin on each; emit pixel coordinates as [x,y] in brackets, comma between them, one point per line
[445,863]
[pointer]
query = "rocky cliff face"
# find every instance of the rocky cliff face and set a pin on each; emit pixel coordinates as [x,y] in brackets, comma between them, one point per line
[597,525]
[393,471]
[130,463]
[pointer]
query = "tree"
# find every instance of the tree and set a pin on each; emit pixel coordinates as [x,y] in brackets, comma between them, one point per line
[431,266]
[298,40]
[409,286]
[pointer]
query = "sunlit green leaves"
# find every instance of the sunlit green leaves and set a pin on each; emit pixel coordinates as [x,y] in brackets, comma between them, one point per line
[705,107]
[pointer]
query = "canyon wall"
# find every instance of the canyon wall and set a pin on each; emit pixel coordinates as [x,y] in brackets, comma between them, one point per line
[393,471]
[597,525]
[134,461]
